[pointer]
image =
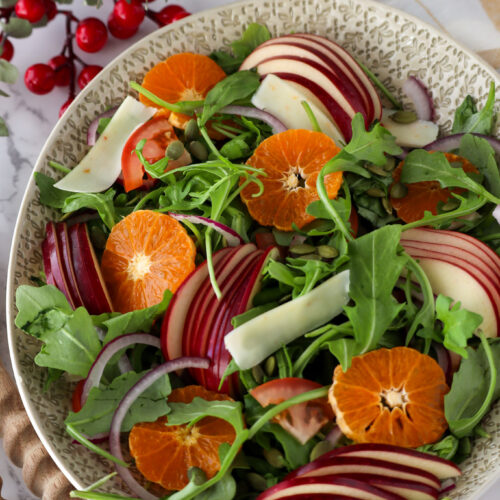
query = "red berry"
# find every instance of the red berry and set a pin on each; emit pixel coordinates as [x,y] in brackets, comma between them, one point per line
[180,15]
[128,15]
[40,78]
[7,50]
[62,67]
[31,10]
[87,74]
[51,9]
[91,34]
[167,13]
[119,31]
[65,106]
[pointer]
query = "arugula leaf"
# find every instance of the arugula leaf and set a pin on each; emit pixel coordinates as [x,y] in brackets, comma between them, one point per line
[371,284]
[459,324]
[50,195]
[251,313]
[234,87]
[225,488]
[479,152]
[101,202]
[252,37]
[97,412]
[445,448]
[103,123]
[343,350]
[474,388]
[468,119]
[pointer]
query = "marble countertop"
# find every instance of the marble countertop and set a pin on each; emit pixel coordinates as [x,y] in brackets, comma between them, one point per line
[30,118]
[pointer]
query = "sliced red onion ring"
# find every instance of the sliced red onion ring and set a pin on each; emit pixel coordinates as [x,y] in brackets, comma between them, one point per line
[232,237]
[453,142]
[133,393]
[444,360]
[446,487]
[94,124]
[97,439]
[334,436]
[421,98]
[107,352]
[276,124]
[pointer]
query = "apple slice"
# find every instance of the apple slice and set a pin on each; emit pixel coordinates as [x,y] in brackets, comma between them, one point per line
[53,264]
[284,100]
[173,323]
[330,485]
[460,241]
[439,467]
[411,135]
[90,281]
[254,341]
[341,465]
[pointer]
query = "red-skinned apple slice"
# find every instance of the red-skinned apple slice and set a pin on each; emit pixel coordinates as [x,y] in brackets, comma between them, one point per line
[458,240]
[67,260]
[173,323]
[465,283]
[90,281]
[333,485]
[340,465]
[439,467]
[53,263]
[409,490]
[304,52]
[349,60]
[336,96]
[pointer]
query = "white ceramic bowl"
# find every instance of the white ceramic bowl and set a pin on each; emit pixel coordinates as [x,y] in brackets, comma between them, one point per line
[390,42]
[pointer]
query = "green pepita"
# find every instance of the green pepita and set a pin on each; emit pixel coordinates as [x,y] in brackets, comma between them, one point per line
[320,449]
[174,150]
[274,458]
[258,374]
[387,206]
[270,365]
[198,150]
[302,249]
[450,205]
[399,190]
[390,164]
[404,117]
[327,252]
[374,169]
[375,192]
[257,482]
[191,132]
[310,256]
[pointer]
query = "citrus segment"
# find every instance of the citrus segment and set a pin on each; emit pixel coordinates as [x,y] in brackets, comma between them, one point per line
[425,196]
[182,77]
[146,254]
[164,454]
[390,396]
[291,161]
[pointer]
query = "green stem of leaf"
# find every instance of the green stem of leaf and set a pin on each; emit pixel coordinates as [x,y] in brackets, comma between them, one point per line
[95,495]
[311,116]
[57,166]
[210,264]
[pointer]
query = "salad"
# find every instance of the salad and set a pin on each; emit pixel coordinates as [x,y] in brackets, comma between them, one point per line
[265,281]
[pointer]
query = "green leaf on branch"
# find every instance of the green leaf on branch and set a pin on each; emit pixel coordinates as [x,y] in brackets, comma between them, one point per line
[102,203]
[17,28]
[7,3]
[8,72]
[4,131]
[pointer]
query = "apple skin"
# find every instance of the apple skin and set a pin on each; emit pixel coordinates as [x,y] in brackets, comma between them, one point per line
[341,465]
[305,52]
[333,485]
[90,281]
[175,317]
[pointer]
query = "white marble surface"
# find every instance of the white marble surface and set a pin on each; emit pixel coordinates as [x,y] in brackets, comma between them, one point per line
[30,119]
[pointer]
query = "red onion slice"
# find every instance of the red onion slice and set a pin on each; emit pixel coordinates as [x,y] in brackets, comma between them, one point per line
[232,237]
[446,487]
[94,124]
[444,360]
[334,436]
[276,124]
[129,398]
[107,352]
[422,99]
[453,142]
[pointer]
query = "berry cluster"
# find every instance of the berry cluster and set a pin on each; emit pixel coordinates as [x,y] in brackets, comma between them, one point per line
[90,35]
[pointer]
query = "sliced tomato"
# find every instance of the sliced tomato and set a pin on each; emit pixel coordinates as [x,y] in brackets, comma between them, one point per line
[302,421]
[76,402]
[158,133]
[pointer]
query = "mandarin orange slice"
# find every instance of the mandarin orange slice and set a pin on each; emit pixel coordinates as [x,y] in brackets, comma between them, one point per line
[390,396]
[164,454]
[182,77]
[292,161]
[425,196]
[146,254]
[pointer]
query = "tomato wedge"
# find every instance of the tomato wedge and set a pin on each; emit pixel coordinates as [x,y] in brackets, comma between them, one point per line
[302,421]
[158,133]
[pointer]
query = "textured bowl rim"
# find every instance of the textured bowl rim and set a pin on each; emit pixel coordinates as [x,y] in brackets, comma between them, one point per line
[10,305]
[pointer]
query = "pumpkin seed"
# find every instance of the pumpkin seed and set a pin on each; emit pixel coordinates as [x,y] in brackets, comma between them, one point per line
[450,205]
[320,449]
[257,482]
[390,164]
[198,150]
[387,206]
[404,117]
[374,169]
[399,190]
[174,150]
[327,252]
[302,249]
[310,256]
[456,164]
[258,374]
[375,192]
[274,458]
[191,132]
[270,365]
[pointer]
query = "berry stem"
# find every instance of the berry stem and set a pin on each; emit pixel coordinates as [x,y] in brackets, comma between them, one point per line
[68,44]
[151,14]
